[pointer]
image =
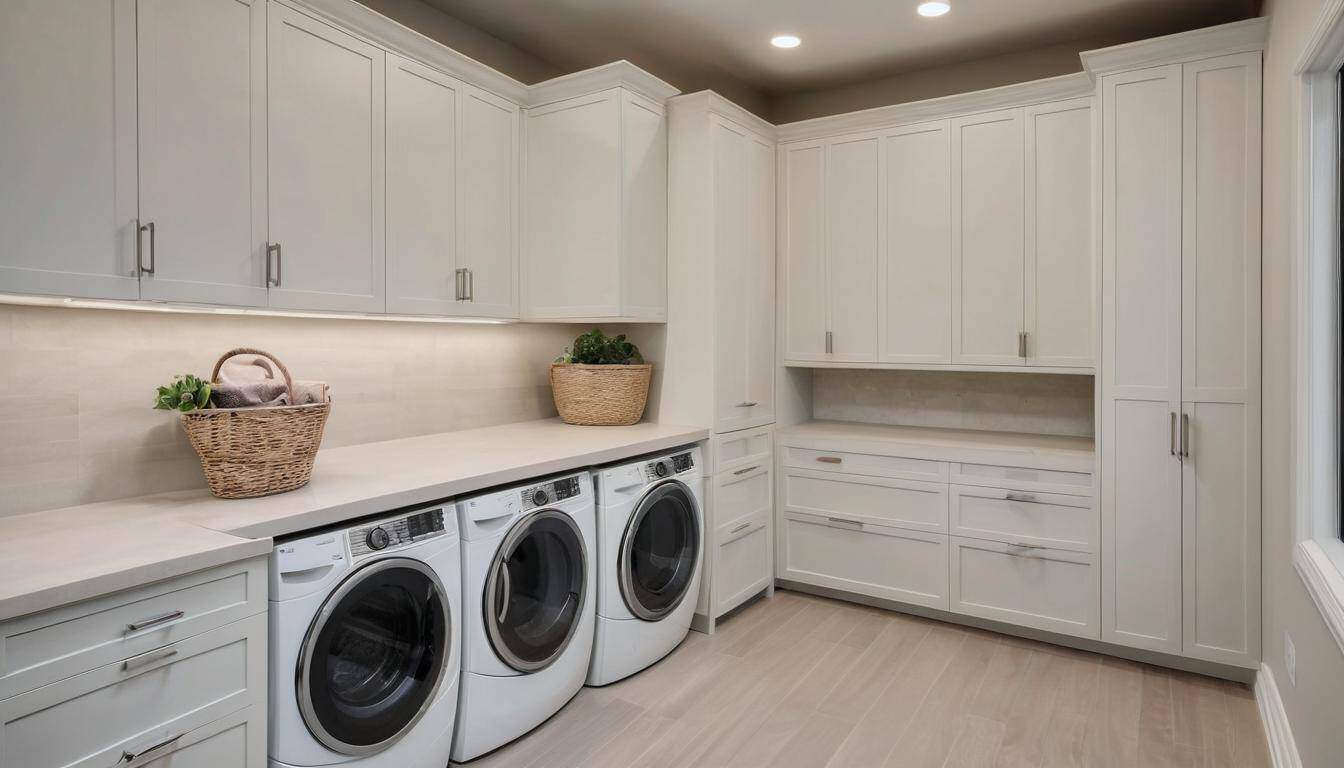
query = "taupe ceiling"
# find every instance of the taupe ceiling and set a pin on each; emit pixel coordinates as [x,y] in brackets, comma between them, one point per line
[705,42]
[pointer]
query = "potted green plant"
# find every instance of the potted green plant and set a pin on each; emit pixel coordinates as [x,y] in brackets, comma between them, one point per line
[601,381]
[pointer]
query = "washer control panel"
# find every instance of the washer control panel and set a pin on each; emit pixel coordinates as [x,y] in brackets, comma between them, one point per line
[552,492]
[396,532]
[672,465]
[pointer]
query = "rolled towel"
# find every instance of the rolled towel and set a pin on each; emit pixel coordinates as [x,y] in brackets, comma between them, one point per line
[254,383]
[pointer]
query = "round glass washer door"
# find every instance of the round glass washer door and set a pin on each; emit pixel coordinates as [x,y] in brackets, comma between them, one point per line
[374,656]
[534,590]
[659,551]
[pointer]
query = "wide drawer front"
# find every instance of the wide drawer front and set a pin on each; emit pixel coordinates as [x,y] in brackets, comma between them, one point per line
[1022,478]
[741,493]
[1049,589]
[1052,520]
[742,561]
[865,464]
[56,644]
[880,561]
[92,720]
[738,449]
[235,741]
[902,503]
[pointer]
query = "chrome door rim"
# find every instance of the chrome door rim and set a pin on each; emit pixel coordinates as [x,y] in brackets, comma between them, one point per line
[628,543]
[304,670]
[515,534]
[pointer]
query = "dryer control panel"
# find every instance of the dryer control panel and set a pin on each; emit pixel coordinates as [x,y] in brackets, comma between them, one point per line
[672,465]
[549,493]
[396,532]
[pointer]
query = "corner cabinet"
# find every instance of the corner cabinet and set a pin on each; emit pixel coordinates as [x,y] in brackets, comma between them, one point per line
[1180,390]
[595,202]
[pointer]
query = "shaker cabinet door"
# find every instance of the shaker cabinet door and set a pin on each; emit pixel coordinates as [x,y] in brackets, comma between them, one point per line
[803,289]
[487,173]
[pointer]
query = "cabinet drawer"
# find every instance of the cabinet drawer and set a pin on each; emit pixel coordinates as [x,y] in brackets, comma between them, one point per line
[1050,589]
[902,503]
[1052,520]
[91,719]
[738,449]
[1022,478]
[741,560]
[56,644]
[236,741]
[740,493]
[876,560]
[865,464]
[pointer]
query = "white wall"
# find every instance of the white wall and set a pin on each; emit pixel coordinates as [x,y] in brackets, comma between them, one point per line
[1314,704]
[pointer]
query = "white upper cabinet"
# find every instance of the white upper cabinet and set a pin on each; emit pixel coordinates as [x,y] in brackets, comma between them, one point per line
[988,270]
[803,289]
[853,220]
[327,158]
[487,173]
[915,268]
[422,183]
[595,192]
[758,290]
[202,85]
[68,153]
[1059,230]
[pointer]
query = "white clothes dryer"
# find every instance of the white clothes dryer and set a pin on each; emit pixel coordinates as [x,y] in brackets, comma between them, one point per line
[528,586]
[650,538]
[365,635]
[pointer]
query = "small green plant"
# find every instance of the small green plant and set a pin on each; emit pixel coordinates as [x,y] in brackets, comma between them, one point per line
[185,393]
[596,348]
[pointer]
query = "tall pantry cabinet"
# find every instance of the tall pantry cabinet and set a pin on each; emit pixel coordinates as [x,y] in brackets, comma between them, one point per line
[721,332]
[1180,380]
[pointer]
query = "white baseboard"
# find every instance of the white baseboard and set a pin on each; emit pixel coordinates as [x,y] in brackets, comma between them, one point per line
[1282,748]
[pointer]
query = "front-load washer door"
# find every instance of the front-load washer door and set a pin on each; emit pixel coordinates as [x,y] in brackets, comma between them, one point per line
[535,589]
[659,551]
[374,656]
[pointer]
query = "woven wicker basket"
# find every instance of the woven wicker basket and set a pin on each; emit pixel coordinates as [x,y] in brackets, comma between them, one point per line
[248,452]
[600,395]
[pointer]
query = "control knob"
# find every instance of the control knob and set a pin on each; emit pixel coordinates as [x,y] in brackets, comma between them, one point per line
[660,469]
[378,539]
[539,497]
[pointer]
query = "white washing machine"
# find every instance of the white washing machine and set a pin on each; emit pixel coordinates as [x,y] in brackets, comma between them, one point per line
[650,534]
[366,643]
[528,584]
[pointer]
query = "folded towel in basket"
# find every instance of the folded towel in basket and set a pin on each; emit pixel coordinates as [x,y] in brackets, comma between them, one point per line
[254,383]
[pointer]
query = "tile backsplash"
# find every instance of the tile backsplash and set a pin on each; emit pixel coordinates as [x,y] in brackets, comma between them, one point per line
[1049,404]
[76,385]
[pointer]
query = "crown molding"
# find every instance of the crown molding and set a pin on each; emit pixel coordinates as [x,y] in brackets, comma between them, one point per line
[1016,95]
[617,74]
[713,103]
[404,41]
[1236,37]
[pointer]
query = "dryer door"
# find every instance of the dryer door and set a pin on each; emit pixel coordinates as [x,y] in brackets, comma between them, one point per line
[374,656]
[659,551]
[535,590]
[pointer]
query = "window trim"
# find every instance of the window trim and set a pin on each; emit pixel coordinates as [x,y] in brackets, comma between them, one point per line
[1318,552]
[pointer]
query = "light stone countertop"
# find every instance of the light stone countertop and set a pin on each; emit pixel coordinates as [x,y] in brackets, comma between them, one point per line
[56,557]
[1011,449]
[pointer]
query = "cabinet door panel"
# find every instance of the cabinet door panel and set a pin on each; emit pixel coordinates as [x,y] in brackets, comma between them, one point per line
[987,221]
[732,238]
[422,177]
[801,204]
[68,155]
[759,287]
[1059,234]
[916,271]
[853,206]
[488,203]
[202,80]
[644,203]
[326,165]
[1221,357]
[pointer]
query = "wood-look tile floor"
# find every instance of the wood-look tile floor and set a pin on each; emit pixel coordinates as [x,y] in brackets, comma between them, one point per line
[801,681]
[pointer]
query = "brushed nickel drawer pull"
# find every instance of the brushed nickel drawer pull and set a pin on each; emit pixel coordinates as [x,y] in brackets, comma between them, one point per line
[829,459]
[1011,496]
[145,659]
[1024,550]
[129,758]
[846,521]
[136,626]
[1185,435]
[745,470]
[740,528]
[747,404]
[1173,433]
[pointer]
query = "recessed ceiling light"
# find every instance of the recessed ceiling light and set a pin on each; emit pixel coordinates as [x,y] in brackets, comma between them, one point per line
[786,41]
[934,8]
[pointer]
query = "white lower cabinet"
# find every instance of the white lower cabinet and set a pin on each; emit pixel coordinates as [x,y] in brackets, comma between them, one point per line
[739,516]
[1030,586]
[875,560]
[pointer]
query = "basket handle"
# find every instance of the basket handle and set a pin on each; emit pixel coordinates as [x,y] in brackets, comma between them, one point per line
[289,380]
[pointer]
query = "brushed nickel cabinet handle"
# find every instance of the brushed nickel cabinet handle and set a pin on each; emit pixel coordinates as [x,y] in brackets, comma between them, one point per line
[829,459]
[1173,433]
[139,263]
[740,528]
[1022,344]
[745,470]
[145,659]
[830,342]
[154,621]
[1185,435]
[1024,550]
[1011,496]
[746,404]
[460,289]
[845,521]
[129,758]
[273,281]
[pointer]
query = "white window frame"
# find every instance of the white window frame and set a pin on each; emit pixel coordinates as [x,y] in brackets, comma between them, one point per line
[1318,553]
